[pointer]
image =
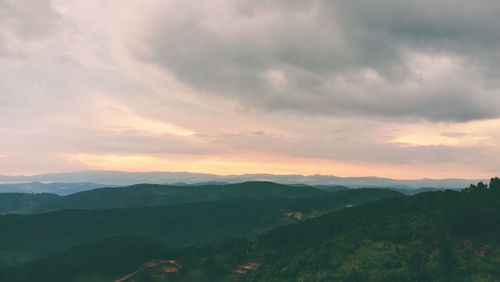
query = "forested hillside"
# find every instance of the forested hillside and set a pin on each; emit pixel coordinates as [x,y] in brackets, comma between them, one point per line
[150,195]
[27,237]
[433,236]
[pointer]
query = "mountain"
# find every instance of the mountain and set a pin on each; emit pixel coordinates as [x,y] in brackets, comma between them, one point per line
[65,188]
[26,237]
[433,236]
[146,195]
[437,236]
[114,178]
[26,203]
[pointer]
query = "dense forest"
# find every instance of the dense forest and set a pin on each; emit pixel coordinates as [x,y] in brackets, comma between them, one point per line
[436,236]
[432,236]
[151,195]
[248,210]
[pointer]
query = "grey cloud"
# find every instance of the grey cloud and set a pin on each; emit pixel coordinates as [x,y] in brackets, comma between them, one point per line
[25,21]
[314,44]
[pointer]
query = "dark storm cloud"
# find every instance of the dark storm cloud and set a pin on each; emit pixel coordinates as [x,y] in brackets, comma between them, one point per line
[345,58]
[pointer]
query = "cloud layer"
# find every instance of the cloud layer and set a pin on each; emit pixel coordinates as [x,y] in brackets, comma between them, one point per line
[394,59]
[392,88]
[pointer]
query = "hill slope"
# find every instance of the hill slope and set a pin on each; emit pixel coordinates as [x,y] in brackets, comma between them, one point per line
[25,237]
[150,195]
[439,236]
[435,236]
[53,187]
[99,261]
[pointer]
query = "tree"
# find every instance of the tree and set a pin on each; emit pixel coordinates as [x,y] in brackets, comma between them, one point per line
[471,188]
[213,269]
[495,183]
[482,186]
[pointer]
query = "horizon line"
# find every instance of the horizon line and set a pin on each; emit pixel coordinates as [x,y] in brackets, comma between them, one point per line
[232,175]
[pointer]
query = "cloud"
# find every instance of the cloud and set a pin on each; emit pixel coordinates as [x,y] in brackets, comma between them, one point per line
[120,118]
[338,58]
[25,24]
[387,88]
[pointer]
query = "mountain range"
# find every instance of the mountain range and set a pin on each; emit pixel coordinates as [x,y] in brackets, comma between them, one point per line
[116,178]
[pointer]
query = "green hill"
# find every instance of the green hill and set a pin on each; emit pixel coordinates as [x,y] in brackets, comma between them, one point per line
[433,236]
[99,261]
[27,237]
[437,236]
[25,203]
[149,195]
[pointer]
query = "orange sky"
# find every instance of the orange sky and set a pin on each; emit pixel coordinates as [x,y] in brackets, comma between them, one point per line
[280,165]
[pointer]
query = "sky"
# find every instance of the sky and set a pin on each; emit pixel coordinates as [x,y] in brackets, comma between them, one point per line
[402,89]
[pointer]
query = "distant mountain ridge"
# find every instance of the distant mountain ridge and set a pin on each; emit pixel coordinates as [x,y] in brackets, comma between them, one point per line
[58,188]
[130,178]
